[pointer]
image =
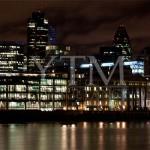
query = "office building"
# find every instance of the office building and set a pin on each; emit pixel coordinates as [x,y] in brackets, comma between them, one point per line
[32,89]
[37,34]
[12,58]
[122,41]
[57,50]
[37,40]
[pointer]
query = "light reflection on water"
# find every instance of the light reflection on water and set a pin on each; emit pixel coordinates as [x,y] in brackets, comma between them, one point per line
[80,136]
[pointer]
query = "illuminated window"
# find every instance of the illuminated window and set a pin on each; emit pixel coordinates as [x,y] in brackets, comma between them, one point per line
[61,88]
[60,82]
[31,25]
[20,88]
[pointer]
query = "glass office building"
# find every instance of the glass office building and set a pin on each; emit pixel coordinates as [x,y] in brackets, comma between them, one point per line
[12,58]
[122,41]
[24,86]
[30,91]
[37,34]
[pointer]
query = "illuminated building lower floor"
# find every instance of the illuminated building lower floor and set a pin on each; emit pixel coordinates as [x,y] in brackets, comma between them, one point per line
[54,93]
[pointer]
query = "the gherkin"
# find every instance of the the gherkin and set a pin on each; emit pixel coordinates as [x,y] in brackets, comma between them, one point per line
[122,41]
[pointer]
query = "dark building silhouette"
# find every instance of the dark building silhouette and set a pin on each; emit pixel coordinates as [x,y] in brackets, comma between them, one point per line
[147,61]
[109,54]
[122,41]
[121,47]
[37,34]
[52,38]
[34,90]
[37,40]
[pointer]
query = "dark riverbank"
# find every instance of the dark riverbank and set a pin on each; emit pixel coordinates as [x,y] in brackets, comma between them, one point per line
[20,116]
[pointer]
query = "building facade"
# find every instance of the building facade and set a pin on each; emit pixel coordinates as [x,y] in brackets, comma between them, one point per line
[12,57]
[37,34]
[122,41]
[24,85]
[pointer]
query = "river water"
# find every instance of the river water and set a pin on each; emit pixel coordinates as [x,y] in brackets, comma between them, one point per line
[80,136]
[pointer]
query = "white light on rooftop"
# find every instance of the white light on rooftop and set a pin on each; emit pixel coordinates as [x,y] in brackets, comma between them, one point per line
[86,65]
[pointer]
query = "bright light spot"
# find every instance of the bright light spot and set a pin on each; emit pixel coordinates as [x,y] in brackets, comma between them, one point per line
[124,107]
[73,108]
[123,125]
[118,125]
[64,126]
[101,124]
[100,103]
[87,109]
[107,64]
[84,125]
[73,126]
[64,108]
[86,65]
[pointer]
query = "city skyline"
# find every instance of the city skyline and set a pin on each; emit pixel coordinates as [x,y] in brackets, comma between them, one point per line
[49,79]
[74,74]
[84,26]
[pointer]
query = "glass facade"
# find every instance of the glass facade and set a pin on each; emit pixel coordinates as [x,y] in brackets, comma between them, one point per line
[37,34]
[57,50]
[22,86]
[122,41]
[12,58]
[27,92]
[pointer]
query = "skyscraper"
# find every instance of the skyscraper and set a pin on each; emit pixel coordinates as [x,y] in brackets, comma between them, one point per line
[37,34]
[121,47]
[122,41]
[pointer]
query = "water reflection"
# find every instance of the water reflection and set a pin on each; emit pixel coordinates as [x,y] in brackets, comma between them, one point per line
[85,125]
[81,136]
[64,137]
[73,137]
[101,125]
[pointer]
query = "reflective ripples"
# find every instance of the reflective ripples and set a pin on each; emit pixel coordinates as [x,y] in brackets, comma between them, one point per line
[80,136]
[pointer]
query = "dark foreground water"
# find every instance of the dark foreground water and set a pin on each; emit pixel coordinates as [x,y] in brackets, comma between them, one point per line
[80,136]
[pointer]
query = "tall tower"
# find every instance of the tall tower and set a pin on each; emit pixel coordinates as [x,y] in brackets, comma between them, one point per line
[37,34]
[122,41]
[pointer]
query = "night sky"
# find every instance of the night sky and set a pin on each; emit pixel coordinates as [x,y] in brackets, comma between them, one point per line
[84,24]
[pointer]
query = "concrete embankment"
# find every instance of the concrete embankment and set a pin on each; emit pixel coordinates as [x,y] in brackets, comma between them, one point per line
[20,116]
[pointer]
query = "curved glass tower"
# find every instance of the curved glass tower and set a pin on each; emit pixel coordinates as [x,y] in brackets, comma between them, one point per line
[122,41]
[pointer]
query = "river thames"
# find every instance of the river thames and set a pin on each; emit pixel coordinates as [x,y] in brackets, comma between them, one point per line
[79,136]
